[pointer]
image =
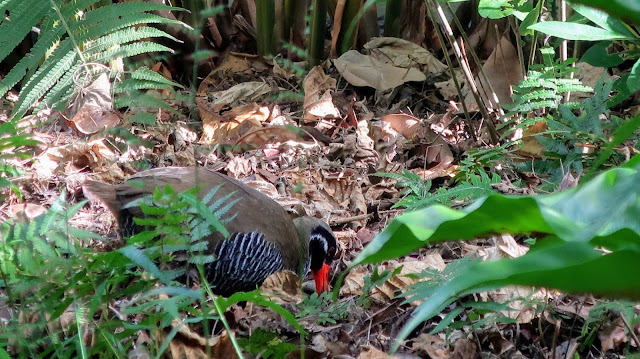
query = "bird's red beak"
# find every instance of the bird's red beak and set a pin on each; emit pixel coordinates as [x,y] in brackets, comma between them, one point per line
[321,277]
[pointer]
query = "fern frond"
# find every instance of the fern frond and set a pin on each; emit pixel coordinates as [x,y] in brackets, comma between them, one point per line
[131,85]
[61,91]
[87,31]
[121,37]
[144,73]
[24,14]
[46,76]
[105,33]
[128,50]
[114,11]
[143,100]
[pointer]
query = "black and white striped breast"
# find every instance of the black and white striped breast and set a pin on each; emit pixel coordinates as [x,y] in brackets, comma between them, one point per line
[242,262]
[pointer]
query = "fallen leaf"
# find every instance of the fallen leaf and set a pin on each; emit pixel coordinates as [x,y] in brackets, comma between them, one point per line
[231,125]
[405,54]
[503,71]
[612,335]
[318,102]
[370,352]
[282,287]
[364,70]
[464,349]
[432,345]
[405,124]
[93,108]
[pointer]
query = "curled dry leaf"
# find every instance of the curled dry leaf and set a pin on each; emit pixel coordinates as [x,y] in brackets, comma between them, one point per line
[531,147]
[163,70]
[464,348]
[344,188]
[243,92]
[258,138]
[613,335]
[232,125]
[189,344]
[265,187]
[93,108]
[282,287]
[508,245]
[26,211]
[93,155]
[364,70]
[503,72]
[318,102]
[432,345]
[405,54]
[369,352]
[354,281]
[402,123]
[239,167]
[357,149]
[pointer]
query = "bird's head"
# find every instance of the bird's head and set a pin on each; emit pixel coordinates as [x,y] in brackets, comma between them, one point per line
[322,250]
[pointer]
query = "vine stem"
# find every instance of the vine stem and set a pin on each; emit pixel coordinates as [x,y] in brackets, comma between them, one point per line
[220,313]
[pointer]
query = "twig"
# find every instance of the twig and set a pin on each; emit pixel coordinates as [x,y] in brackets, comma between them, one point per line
[340,221]
[633,334]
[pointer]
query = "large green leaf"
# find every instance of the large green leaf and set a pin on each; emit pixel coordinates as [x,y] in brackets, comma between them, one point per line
[573,31]
[604,20]
[577,223]
[629,10]
[569,266]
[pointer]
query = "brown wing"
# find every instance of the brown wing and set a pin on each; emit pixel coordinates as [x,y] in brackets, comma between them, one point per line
[254,212]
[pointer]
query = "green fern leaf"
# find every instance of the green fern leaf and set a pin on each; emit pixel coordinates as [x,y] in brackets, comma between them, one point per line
[132,85]
[114,11]
[87,31]
[145,73]
[128,51]
[45,78]
[24,14]
[124,36]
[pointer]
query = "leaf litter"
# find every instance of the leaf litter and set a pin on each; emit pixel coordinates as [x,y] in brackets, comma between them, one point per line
[318,155]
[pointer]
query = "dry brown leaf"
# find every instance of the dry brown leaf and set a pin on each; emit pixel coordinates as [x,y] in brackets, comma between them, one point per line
[464,349]
[432,345]
[75,156]
[263,186]
[612,335]
[282,287]
[239,167]
[531,147]
[405,54]
[405,124]
[308,354]
[94,108]
[508,245]
[588,76]
[26,211]
[163,70]
[318,102]
[369,352]
[233,96]
[231,125]
[437,149]
[258,138]
[503,71]
[364,70]
[332,348]
[354,281]
[188,344]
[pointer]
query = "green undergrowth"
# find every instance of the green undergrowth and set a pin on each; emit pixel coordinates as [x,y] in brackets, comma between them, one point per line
[568,229]
[67,299]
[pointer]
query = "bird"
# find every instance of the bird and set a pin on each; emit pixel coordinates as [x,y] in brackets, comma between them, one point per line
[264,239]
